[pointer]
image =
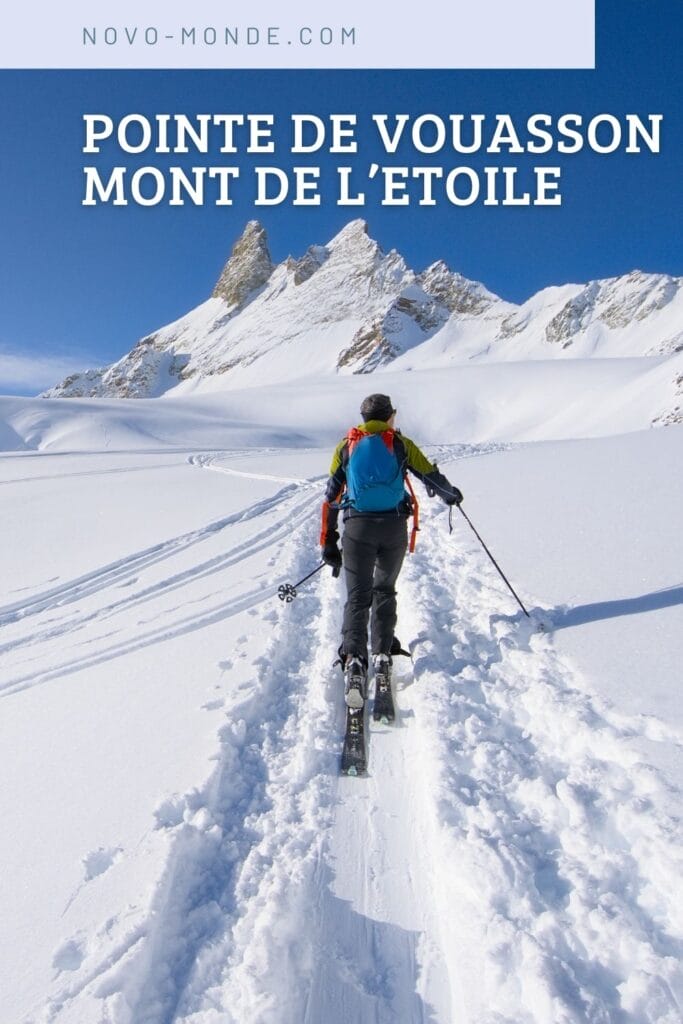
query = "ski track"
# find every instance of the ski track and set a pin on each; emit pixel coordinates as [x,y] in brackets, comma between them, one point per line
[509,859]
[120,571]
[212,462]
[125,573]
[88,472]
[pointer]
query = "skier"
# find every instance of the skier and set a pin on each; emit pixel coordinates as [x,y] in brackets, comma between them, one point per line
[368,480]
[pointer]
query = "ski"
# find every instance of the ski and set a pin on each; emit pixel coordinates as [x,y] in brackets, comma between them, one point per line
[383,709]
[354,759]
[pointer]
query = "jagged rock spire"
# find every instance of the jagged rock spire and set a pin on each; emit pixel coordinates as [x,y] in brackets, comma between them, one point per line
[248,268]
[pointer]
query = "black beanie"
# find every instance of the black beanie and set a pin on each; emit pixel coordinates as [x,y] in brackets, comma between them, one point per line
[377,407]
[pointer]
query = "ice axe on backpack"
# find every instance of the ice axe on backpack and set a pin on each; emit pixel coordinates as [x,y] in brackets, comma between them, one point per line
[287,591]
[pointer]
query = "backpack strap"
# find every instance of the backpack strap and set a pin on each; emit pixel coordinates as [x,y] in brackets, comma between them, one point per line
[416,516]
[354,435]
[357,434]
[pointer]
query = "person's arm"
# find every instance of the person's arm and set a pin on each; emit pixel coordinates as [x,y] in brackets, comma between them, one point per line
[329,534]
[428,472]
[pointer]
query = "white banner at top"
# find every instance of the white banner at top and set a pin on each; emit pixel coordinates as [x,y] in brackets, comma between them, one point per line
[300,34]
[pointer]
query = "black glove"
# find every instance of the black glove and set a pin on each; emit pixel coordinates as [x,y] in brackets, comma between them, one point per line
[454,498]
[436,483]
[331,553]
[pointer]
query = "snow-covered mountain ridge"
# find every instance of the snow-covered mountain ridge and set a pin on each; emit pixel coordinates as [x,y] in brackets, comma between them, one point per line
[349,307]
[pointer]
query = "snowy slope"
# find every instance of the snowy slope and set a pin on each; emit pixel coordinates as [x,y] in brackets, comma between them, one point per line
[176,844]
[349,307]
[516,401]
[635,315]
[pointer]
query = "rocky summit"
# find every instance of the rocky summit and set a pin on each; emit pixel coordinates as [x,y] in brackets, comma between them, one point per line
[249,267]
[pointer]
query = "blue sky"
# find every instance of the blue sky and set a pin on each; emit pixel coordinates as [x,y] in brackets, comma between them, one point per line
[78,286]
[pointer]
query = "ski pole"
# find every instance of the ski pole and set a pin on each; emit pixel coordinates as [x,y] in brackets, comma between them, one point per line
[502,574]
[287,591]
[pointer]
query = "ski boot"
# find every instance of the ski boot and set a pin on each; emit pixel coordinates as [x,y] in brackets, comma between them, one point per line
[355,681]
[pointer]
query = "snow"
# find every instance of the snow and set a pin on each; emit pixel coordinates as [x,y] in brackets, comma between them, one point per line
[177,845]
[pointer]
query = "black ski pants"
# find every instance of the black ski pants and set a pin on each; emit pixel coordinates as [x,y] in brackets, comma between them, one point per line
[373,549]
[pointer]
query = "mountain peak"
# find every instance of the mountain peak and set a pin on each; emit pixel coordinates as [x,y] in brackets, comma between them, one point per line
[354,227]
[457,293]
[248,268]
[353,233]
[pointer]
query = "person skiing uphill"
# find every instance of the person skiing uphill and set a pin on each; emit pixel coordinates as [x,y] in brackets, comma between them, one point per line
[368,481]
